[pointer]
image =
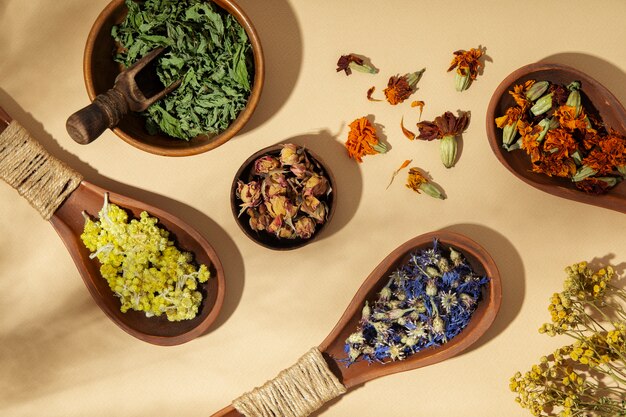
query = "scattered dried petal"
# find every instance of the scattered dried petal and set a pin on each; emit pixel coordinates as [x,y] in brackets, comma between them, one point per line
[404,165]
[420,104]
[369,94]
[410,135]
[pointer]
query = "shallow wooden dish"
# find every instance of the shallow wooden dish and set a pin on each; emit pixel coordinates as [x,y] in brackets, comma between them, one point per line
[595,96]
[100,71]
[266,239]
[332,347]
[68,221]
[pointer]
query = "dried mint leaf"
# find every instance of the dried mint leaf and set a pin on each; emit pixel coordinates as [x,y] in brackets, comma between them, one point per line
[207,49]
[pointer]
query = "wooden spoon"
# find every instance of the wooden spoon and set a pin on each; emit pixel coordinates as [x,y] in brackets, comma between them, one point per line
[68,222]
[595,96]
[361,372]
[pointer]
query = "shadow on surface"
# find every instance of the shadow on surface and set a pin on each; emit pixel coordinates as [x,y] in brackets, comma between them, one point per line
[227,251]
[277,26]
[609,75]
[512,276]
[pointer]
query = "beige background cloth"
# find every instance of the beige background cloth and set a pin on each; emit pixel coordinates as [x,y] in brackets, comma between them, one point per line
[60,356]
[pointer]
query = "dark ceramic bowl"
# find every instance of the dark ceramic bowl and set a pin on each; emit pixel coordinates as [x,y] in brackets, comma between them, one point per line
[100,71]
[596,98]
[264,238]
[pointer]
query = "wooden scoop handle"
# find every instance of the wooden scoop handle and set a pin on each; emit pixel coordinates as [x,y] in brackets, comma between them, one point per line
[105,112]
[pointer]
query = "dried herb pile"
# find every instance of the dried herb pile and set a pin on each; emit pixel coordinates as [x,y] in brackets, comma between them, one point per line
[426,302]
[561,137]
[206,48]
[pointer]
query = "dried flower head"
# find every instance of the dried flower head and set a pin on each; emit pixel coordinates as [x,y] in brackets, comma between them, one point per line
[445,127]
[363,140]
[399,88]
[467,64]
[417,182]
[350,62]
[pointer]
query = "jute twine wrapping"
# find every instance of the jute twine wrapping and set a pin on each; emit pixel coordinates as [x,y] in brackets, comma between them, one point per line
[295,392]
[37,176]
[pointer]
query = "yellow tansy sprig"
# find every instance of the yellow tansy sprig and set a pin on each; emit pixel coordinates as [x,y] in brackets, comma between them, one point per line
[588,376]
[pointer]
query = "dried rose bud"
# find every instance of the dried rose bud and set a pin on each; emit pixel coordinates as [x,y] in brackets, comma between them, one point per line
[266,164]
[314,208]
[249,194]
[305,227]
[258,221]
[316,186]
[275,226]
[286,233]
[271,187]
[290,154]
[277,206]
[299,170]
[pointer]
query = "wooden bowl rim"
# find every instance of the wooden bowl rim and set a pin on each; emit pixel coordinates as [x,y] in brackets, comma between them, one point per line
[244,116]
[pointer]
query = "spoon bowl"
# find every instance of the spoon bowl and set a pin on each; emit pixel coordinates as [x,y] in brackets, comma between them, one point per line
[69,222]
[362,371]
[595,97]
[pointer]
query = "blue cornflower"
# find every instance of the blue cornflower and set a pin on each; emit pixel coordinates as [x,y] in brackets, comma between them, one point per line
[426,302]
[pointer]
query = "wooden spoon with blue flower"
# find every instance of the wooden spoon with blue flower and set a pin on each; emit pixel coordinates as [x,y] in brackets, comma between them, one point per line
[428,300]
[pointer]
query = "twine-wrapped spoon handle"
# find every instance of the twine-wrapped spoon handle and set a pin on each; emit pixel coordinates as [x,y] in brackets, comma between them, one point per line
[37,176]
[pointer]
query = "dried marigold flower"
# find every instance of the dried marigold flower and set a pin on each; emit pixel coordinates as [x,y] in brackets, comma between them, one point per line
[467,64]
[362,140]
[350,62]
[417,182]
[399,88]
[445,127]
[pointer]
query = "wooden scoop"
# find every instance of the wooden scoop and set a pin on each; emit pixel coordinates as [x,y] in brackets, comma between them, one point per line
[134,89]
[68,222]
[332,347]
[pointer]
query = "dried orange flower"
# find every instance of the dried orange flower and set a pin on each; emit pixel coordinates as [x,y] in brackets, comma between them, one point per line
[566,115]
[467,64]
[399,88]
[417,182]
[362,140]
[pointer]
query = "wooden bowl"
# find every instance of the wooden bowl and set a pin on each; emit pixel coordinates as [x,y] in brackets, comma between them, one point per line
[595,97]
[264,238]
[100,71]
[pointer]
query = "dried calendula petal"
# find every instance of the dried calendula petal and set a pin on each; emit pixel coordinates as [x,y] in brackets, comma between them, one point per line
[370,91]
[404,165]
[363,140]
[420,104]
[410,135]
